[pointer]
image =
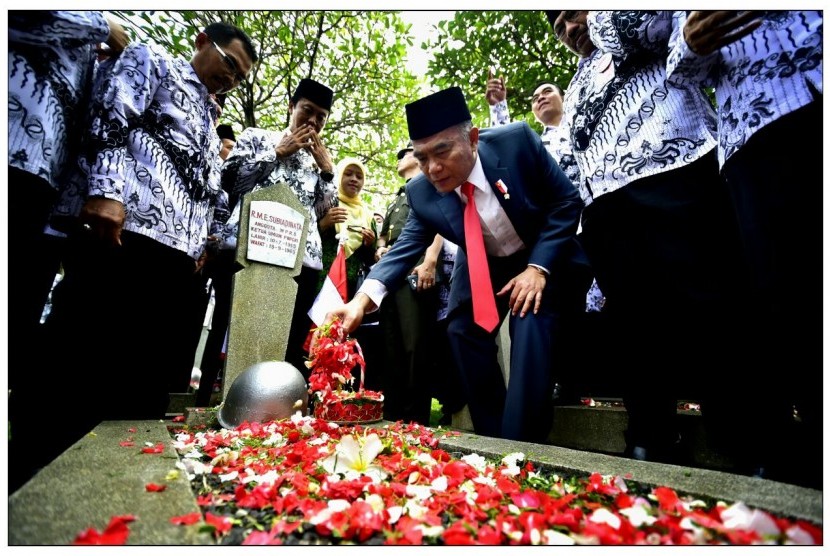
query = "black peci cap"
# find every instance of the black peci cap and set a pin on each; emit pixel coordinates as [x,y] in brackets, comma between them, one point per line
[316,92]
[436,112]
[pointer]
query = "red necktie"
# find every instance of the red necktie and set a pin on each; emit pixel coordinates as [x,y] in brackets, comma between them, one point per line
[485,313]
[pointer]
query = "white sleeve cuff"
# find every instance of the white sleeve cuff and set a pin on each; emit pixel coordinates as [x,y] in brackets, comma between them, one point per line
[375,290]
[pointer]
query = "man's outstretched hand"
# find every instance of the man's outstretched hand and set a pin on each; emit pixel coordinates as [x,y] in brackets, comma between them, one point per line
[351,314]
[496,91]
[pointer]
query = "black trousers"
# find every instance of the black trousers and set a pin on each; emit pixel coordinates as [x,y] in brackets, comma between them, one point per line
[666,255]
[307,288]
[33,260]
[539,353]
[407,321]
[775,181]
[116,334]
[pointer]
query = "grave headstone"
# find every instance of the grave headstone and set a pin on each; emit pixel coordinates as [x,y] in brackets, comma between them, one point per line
[270,246]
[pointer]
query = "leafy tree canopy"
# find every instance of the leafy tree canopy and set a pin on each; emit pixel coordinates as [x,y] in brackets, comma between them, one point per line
[359,55]
[517,45]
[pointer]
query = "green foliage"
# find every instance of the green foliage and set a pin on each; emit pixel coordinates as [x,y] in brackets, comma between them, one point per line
[436,412]
[360,55]
[517,45]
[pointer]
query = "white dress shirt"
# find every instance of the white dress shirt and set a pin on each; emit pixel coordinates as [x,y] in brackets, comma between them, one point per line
[500,237]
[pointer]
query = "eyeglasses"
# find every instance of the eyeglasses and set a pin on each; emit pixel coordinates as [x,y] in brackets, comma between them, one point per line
[231,63]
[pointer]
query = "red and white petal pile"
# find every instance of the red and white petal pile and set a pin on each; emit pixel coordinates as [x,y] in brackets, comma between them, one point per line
[278,481]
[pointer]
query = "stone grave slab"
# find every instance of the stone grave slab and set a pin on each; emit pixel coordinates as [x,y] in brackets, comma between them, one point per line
[96,479]
[263,292]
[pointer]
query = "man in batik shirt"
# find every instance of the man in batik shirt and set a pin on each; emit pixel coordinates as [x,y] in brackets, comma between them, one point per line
[657,225]
[122,310]
[298,157]
[51,61]
[766,70]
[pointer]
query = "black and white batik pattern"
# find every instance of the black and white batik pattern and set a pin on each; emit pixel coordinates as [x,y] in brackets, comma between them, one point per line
[51,55]
[758,79]
[556,140]
[625,122]
[153,147]
[253,164]
[499,114]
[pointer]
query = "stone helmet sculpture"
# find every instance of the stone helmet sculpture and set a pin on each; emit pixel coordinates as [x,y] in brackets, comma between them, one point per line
[265,391]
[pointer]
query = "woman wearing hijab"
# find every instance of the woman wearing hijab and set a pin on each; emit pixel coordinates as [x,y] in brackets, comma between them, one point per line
[359,226]
[355,226]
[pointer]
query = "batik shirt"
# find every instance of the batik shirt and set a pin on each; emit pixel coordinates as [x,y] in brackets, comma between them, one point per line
[253,164]
[555,139]
[74,182]
[626,122]
[758,79]
[447,261]
[154,148]
[51,55]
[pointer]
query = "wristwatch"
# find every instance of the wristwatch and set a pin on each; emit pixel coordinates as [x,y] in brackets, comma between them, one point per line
[327,176]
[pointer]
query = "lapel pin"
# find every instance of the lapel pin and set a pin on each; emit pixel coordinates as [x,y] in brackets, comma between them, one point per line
[502,189]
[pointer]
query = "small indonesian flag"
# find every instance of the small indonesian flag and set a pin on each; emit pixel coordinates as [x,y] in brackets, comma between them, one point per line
[502,189]
[333,293]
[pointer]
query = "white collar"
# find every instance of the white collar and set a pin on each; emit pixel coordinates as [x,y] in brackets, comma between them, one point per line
[476,177]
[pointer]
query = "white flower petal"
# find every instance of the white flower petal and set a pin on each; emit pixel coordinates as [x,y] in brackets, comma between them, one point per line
[736,516]
[434,531]
[797,535]
[439,484]
[512,459]
[638,516]
[476,461]
[601,515]
[419,492]
[395,513]
[553,537]
[763,524]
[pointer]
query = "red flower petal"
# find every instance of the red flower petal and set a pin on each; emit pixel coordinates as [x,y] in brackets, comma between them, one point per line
[157,449]
[669,502]
[186,519]
[260,538]
[220,523]
[116,533]
[153,487]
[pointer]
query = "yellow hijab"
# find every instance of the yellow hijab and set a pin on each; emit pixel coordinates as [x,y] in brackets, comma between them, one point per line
[359,214]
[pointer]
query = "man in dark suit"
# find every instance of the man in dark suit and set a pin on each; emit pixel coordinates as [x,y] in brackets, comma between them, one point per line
[528,212]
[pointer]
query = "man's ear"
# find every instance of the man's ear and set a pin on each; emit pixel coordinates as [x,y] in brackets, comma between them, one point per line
[474,137]
[201,40]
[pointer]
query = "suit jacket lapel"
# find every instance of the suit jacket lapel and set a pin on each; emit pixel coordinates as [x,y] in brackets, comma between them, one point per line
[453,210]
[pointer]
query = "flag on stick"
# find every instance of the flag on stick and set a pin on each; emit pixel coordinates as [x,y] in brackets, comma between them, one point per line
[333,293]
